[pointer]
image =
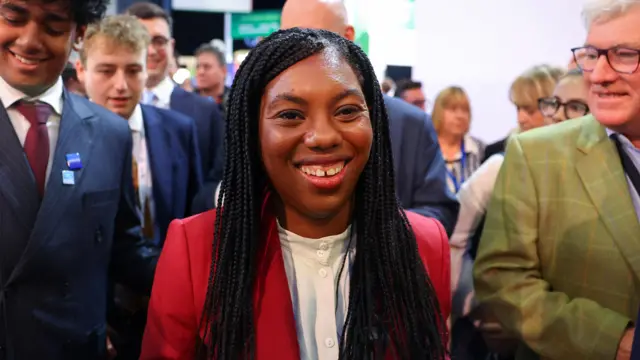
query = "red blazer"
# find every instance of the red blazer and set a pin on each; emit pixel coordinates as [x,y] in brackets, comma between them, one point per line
[182,275]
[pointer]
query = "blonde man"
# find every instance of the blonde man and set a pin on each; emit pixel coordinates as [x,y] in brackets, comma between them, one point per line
[166,170]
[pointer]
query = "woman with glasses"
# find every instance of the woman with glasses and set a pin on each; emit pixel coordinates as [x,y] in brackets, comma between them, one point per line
[533,84]
[569,100]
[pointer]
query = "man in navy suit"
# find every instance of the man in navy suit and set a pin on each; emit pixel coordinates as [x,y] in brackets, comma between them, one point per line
[162,92]
[67,219]
[166,162]
[419,167]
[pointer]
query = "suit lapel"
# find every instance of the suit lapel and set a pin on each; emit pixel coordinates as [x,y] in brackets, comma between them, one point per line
[604,179]
[276,335]
[17,183]
[77,131]
[160,159]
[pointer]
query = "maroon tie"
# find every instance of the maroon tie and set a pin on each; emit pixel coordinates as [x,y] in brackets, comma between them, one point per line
[36,145]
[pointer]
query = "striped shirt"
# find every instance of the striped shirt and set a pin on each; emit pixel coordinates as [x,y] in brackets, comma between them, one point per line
[457,172]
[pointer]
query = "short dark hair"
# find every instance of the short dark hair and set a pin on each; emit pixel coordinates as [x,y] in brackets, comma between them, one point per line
[147,11]
[85,12]
[207,48]
[404,85]
[69,73]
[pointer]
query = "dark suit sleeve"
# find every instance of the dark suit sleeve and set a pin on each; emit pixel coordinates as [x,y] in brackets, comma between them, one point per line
[195,171]
[204,200]
[431,196]
[133,260]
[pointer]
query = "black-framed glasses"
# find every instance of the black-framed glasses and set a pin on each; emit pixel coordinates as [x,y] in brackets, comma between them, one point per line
[622,60]
[572,109]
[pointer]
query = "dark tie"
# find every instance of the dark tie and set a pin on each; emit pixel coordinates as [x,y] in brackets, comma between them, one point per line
[36,144]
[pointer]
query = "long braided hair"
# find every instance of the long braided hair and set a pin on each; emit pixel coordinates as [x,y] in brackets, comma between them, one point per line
[393,307]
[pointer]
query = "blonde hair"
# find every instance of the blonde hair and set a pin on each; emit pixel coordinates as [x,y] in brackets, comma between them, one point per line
[535,83]
[447,98]
[121,30]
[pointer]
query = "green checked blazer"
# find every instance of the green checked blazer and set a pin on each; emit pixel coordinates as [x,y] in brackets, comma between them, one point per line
[559,259]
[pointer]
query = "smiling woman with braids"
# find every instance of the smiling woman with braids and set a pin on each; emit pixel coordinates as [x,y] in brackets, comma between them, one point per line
[311,257]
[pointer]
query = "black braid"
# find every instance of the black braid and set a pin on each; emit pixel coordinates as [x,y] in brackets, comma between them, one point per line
[393,307]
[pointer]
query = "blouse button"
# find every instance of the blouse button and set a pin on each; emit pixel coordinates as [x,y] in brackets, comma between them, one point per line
[324,246]
[320,253]
[322,272]
[329,342]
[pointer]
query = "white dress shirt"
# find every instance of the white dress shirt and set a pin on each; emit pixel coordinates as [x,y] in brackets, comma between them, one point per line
[53,97]
[141,156]
[160,95]
[312,267]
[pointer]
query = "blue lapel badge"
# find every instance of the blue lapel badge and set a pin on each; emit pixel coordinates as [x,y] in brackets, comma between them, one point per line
[73,161]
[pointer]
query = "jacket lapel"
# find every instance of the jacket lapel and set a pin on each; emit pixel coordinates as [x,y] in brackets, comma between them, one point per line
[605,181]
[160,160]
[17,183]
[276,334]
[77,131]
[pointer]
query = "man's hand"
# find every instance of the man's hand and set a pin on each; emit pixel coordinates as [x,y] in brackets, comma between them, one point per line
[624,348]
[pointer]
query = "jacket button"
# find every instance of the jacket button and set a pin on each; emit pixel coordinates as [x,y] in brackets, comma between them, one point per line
[98,236]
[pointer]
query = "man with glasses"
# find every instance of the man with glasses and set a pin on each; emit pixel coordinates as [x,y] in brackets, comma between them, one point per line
[164,93]
[559,261]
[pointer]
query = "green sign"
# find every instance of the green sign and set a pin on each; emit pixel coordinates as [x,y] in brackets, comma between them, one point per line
[254,24]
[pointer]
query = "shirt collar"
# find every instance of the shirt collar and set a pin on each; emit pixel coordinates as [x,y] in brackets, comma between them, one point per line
[626,143]
[136,123]
[52,96]
[164,90]
[326,249]
[470,145]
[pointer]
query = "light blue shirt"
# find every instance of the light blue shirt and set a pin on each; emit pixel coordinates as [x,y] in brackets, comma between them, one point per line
[634,154]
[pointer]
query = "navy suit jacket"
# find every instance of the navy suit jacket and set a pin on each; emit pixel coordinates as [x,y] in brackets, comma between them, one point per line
[56,256]
[210,126]
[174,159]
[421,178]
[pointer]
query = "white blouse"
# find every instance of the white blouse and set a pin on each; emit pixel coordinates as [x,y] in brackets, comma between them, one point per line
[312,267]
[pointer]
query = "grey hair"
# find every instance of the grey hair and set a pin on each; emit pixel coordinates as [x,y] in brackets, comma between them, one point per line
[595,10]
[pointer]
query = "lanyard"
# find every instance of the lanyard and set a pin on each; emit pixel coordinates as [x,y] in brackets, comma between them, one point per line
[463,159]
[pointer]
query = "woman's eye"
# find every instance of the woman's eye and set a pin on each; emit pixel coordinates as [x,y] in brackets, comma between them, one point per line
[290,115]
[349,111]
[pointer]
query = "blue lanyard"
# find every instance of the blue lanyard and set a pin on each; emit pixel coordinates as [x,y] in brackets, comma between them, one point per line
[463,159]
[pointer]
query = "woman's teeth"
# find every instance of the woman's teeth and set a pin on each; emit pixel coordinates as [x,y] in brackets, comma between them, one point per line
[322,171]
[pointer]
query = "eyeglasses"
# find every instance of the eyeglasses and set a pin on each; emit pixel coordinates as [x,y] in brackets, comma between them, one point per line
[622,60]
[159,41]
[572,108]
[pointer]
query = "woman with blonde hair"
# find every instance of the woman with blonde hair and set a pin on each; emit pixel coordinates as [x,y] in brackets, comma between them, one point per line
[534,83]
[451,118]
